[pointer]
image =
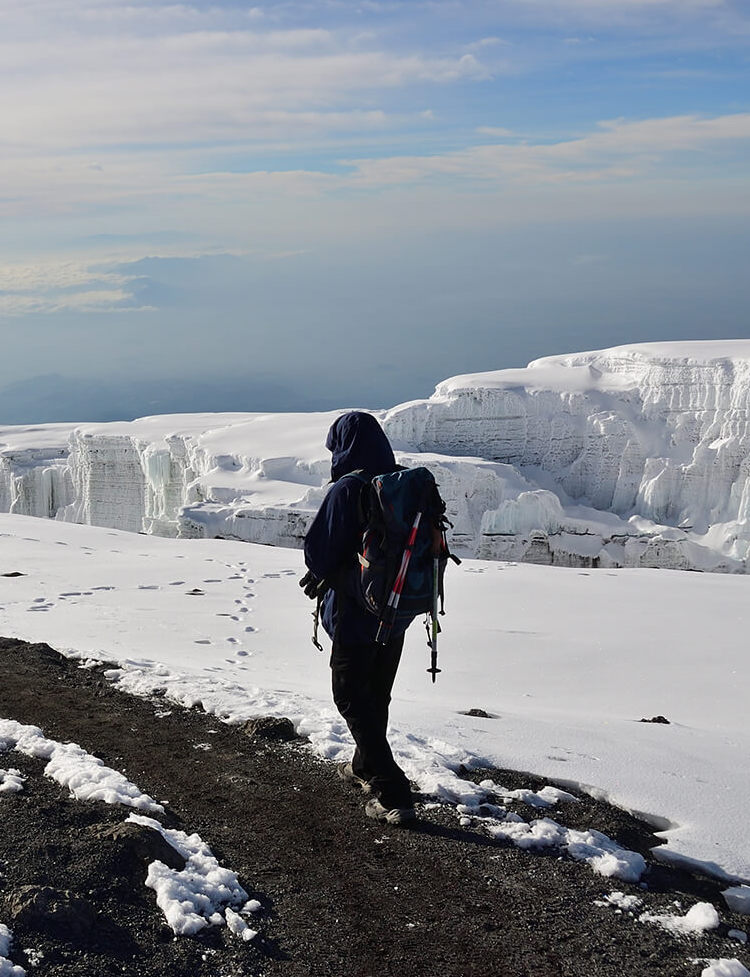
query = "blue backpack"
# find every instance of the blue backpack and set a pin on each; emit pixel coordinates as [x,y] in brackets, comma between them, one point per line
[403,551]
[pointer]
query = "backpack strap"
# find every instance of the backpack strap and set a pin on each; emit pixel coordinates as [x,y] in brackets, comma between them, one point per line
[359,474]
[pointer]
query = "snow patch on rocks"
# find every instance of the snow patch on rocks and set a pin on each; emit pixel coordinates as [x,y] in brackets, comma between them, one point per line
[621,901]
[85,776]
[11,781]
[725,967]
[737,897]
[700,919]
[7,969]
[199,895]
[603,855]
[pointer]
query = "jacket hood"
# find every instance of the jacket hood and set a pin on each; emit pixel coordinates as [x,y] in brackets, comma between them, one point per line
[356,440]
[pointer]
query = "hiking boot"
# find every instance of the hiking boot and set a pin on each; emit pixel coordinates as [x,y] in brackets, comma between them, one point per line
[347,774]
[374,808]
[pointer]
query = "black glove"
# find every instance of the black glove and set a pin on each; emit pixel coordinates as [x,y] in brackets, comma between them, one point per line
[311,585]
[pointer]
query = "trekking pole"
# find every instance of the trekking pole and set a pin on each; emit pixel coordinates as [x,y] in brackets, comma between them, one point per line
[433,670]
[389,614]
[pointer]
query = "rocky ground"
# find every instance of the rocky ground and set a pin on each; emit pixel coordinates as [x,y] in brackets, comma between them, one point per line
[342,896]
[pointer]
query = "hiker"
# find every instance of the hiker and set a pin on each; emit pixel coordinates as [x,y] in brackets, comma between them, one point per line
[362,670]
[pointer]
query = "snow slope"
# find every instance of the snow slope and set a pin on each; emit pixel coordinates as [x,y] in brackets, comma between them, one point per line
[565,661]
[634,456]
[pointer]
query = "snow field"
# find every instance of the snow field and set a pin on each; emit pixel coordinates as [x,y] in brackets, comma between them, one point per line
[564,662]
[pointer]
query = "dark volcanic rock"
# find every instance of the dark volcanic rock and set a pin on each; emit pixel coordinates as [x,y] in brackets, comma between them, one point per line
[54,912]
[132,846]
[271,729]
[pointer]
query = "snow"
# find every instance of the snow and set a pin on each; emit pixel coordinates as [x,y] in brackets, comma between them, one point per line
[239,927]
[566,660]
[191,898]
[621,901]
[85,776]
[698,920]
[11,781]
[599,852]
[198,895]
[737,897]
[739,935]
[637,456]
[725,968]
[7,969]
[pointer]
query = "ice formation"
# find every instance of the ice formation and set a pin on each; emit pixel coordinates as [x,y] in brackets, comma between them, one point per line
[633,456]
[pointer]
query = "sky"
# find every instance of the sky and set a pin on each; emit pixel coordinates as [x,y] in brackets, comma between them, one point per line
[317,203]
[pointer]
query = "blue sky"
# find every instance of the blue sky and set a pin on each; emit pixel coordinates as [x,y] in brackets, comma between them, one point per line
[306,204]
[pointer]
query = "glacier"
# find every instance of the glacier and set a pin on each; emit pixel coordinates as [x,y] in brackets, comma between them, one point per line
[633,456]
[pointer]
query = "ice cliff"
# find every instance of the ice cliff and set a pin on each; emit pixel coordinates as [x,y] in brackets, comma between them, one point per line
[633,456]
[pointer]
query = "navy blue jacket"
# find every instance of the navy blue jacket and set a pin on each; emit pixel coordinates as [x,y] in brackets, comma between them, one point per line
[356,442]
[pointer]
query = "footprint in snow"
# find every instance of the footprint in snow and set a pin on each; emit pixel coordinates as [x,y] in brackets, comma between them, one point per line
[102,588]
[232,641]
[236,576]
[59,542]
[224,614]
[249,629]
[176,583]
[40,600]
[148,586]
[240,653]
[202,641]
[212,580]
[271,575]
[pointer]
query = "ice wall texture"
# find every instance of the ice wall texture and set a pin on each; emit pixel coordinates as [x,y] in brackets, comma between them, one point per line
[635,456]
[654,434]
[35,479]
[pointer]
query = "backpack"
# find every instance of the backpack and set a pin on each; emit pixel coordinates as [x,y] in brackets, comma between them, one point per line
[403,551]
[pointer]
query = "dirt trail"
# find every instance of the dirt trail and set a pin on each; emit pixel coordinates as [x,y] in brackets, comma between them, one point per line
[342,895]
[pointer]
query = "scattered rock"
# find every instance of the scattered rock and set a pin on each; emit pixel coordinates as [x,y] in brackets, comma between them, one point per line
[13,573]
[273,729]
[195,592]
[54,912]
[656,719]
[478,714]
[134,845]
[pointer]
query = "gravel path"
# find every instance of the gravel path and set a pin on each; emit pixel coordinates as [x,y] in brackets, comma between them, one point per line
[342,896]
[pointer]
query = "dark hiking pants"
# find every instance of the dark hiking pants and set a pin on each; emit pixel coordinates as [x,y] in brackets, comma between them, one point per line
[363,677]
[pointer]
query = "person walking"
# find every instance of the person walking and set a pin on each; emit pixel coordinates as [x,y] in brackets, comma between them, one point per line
[362,670]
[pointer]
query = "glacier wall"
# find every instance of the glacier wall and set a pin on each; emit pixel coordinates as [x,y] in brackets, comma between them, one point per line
[35,479]
[636,456]
[658,431]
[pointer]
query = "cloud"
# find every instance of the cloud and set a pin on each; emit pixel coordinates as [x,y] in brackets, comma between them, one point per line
[87,81]
[615,150]
[59,286]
